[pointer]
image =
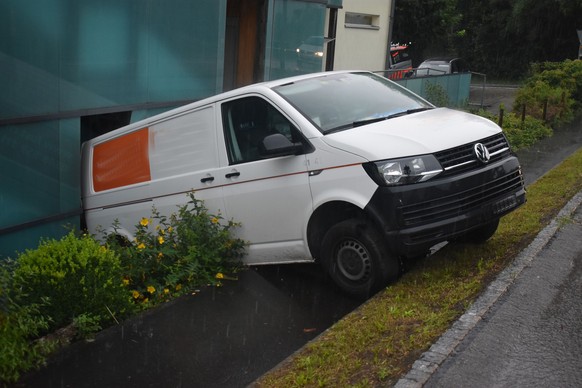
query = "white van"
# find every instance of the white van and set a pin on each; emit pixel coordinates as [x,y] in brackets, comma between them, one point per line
[346,168]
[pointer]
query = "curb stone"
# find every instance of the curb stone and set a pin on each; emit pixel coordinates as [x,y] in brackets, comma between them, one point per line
[431,360]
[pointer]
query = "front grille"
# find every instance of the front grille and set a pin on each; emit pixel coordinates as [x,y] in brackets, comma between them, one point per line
[449,206]
[462,158]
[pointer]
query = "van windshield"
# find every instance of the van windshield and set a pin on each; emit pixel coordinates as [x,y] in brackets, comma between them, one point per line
[336,102]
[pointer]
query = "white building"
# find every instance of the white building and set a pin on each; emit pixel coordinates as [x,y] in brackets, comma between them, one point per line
[362,36]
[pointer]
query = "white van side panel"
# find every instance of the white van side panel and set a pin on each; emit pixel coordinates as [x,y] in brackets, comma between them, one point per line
[339,176]
[349,183]
[183,144]
[179,151]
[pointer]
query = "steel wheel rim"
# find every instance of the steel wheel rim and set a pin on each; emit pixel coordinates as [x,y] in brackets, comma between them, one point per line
[353,260]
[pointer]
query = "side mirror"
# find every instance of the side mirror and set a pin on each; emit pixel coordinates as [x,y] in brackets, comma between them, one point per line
[278,145]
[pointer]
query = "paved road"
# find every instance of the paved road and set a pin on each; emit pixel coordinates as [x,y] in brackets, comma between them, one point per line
[532,336]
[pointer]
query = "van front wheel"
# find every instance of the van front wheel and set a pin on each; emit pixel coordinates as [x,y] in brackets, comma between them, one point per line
[356,258]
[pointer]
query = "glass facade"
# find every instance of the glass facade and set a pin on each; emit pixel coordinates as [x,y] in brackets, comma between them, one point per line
[63,60]
[294,39]
[62,56]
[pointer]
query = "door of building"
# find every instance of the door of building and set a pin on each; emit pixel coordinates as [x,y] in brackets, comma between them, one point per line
[245,42]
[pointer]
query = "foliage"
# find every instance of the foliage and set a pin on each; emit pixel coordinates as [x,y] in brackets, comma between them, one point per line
[78,285]
[170,256]
[553,90]
[18,326]
[426,25]
[521,134]
[497,37]
[76,274]
[436,94]
[86,325]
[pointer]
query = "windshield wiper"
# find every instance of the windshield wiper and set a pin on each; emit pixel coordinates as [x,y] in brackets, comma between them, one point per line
[359,123]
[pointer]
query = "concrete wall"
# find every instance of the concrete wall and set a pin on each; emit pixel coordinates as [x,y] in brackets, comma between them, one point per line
[358,47]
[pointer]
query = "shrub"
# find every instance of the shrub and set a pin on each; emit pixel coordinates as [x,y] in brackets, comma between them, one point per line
[18,327]
[171,256]
[554,86]
[521,134]
[436,94]
[524,134]
[78,276]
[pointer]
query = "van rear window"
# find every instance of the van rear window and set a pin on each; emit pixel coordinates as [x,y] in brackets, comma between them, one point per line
[121,161]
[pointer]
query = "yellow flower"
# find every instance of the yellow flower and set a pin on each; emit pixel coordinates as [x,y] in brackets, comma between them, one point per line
[214,220]
[166,291]
[141,246]
[125,281]
[219,276]
[160,240]
[170,229]
[144,222]
[178,287]
[160,255]
[135,294]
[151,289]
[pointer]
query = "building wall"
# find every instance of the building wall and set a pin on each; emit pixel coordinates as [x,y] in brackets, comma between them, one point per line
[70,70]
[363,47]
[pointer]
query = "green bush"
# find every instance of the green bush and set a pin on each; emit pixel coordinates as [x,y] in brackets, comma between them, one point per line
[555,87]
[77,275]
[436,94]
[524,134]
[566,75]
[18,326]
[171,256]
[521,134]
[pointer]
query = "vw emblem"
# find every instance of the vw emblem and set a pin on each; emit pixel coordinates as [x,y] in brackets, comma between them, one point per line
[481,152]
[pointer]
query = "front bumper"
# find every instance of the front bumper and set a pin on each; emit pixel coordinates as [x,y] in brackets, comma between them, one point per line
[415,217]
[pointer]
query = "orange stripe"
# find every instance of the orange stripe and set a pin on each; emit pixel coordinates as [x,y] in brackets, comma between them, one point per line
[121,161]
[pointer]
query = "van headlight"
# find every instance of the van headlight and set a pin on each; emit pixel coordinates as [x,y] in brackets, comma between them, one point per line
[404,171]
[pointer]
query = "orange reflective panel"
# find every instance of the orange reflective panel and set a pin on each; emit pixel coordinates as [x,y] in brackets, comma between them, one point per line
[121,161]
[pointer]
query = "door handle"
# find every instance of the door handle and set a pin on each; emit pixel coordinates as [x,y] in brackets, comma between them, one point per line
[207,179]
[232,174]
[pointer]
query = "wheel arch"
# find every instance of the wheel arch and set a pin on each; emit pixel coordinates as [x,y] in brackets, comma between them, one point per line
[326,215]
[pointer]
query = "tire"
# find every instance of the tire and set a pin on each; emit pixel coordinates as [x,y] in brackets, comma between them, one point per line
[357,259]
[480,234]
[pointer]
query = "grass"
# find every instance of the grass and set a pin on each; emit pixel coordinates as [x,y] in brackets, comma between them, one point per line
[377,343]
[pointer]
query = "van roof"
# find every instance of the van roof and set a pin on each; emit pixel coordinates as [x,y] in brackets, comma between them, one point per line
[221,96]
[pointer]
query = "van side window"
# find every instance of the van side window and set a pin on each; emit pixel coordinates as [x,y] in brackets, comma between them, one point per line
[246,122]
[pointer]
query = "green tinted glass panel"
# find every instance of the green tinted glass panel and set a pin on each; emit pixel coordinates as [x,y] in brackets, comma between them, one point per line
[294,38]
[40,170]
[88,54]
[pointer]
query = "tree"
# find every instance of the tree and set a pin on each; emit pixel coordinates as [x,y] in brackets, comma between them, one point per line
[427,25]
[497,37]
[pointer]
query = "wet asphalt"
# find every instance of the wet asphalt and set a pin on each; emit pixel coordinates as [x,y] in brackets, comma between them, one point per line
[229,336]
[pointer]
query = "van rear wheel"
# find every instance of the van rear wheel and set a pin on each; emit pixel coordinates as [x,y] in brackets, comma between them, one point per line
[356,258]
